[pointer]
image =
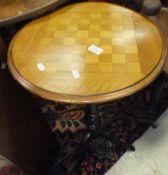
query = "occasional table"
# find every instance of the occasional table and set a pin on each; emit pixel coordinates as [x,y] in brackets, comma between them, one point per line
[13,11]
[133,55]
[87,53]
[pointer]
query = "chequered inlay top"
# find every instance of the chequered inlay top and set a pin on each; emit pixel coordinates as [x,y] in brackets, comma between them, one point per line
[131,45]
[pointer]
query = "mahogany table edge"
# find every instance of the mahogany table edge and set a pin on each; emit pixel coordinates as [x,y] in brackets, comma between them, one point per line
[98,98]
[30,14]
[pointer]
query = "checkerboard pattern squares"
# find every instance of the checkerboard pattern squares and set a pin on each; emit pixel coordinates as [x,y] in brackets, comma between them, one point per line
[73,32]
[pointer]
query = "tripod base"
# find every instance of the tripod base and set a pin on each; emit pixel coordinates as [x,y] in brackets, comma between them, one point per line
[93,132]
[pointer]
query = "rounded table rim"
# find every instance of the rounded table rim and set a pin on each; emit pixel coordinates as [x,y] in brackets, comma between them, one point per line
[93,98]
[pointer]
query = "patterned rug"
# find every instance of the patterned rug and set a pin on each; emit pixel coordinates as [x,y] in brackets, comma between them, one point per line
[126,120]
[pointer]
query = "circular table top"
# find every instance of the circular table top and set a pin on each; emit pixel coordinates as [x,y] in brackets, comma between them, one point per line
[87,53]
[12,11]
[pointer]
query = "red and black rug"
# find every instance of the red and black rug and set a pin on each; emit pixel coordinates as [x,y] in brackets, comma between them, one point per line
[126,120]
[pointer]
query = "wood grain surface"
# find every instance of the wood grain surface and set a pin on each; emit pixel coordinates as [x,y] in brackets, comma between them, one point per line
[133,53]
[12,11]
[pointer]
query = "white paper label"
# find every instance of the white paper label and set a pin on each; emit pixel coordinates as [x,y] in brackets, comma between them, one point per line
[41,66]
[75,74]
[96,50]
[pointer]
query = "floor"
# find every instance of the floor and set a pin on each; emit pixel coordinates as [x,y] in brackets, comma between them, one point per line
[151,155]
